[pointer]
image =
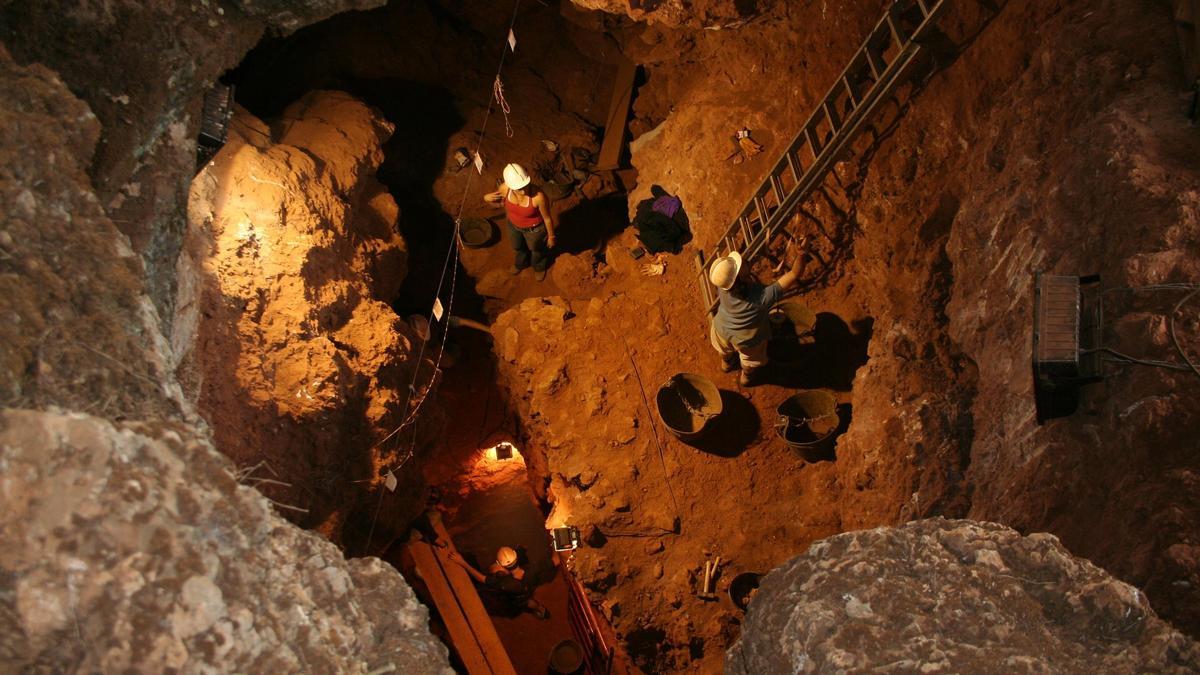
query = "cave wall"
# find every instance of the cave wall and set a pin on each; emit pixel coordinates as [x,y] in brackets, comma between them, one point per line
[284,332]
[130,543]
[142,69]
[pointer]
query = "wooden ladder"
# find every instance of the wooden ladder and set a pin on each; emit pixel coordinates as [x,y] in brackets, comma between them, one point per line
[874,72]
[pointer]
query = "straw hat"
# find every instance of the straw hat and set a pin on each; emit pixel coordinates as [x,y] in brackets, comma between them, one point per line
[724,270]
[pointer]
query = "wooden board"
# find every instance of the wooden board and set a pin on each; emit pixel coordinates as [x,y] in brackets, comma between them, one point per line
[472,607]
[461,633]
[618,118]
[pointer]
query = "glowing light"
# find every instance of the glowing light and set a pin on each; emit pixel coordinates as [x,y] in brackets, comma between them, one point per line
[503,452]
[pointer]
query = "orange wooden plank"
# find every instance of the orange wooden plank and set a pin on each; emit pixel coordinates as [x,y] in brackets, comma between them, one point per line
[472,607]
[618,118]
[461,632]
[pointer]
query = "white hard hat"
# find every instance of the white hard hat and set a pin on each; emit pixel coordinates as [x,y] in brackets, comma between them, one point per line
[506,556]
[724,271]
[515,176]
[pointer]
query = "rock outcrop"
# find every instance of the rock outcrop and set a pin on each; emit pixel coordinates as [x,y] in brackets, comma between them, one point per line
[951,596]
[142,69]
[131,548]
[284,326]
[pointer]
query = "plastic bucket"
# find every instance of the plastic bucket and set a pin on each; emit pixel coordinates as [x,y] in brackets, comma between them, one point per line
[566,657]
[806,419]
[687,402]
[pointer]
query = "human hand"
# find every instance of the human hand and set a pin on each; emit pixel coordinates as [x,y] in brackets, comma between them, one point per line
[550,240]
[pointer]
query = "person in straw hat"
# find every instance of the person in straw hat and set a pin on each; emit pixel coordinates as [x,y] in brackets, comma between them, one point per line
[740,329]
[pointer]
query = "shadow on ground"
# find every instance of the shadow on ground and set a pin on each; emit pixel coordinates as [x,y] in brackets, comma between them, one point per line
[730,433]
[828,360]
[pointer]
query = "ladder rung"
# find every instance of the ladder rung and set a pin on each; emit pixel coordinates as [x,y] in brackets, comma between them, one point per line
[891,23]
[850,92]
[924,8]
[875,62]
[763,214]
[777,187]
[813,144]
[835,122]
[794,165]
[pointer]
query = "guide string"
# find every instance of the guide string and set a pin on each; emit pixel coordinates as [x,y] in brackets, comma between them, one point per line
[451,253]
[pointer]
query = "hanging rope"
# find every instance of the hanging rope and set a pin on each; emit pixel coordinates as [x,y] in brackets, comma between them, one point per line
[498,94]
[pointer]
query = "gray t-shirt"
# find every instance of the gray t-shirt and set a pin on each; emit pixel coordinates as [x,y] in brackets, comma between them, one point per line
[742,317]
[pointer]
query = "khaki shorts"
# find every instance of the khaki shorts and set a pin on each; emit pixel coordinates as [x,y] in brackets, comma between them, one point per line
[751,357]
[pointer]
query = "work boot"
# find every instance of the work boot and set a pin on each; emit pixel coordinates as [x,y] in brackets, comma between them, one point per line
[516,270]
[728,365]
[749,378]
[540,275]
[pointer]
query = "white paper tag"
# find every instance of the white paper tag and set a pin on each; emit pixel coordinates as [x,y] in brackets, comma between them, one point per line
[512,40]
[437,309]
[390,482]
[478,163]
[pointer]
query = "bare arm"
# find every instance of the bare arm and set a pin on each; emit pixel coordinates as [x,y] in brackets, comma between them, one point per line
[497,196]
[789,278]
[458,560]
[543,205]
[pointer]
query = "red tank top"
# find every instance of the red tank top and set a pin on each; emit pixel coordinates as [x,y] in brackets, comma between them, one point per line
[522,217]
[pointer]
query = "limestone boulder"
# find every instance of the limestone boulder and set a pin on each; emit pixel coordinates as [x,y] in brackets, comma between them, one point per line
[142,553]
[951,596]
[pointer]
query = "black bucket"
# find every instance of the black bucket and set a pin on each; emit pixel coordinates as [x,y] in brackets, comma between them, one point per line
[560,186]
[687,402]
[742,587]
[476,232]
[566,657]
[806,419]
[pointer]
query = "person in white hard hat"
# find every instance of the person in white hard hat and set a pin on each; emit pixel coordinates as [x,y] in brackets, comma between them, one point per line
[530,225]
[506,579]
[740,329]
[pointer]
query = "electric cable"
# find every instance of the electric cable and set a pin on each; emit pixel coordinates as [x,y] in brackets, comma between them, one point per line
[1187,364]
[1175,338]
[653,427]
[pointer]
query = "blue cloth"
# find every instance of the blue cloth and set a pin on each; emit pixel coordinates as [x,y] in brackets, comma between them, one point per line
[742,316]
